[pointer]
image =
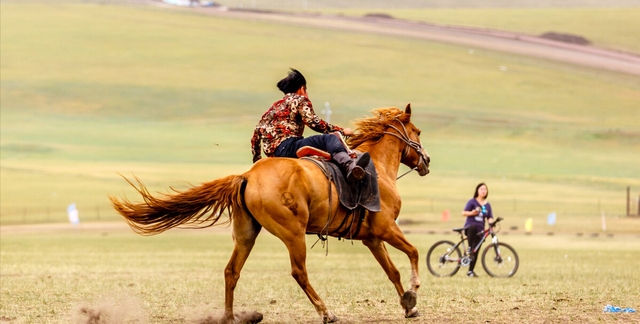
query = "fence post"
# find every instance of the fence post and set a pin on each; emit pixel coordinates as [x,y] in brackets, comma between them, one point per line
[628,200]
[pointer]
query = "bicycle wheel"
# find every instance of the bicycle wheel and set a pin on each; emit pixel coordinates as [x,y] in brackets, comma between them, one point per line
[500,260]
[443,260]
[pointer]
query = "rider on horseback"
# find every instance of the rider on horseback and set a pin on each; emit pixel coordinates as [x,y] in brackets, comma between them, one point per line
[279,132]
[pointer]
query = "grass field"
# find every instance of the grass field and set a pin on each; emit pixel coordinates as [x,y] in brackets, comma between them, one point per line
[90,90]
[177,277]
[173,97]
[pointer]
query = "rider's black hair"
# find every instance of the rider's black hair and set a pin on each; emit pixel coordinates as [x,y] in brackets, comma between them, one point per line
[475,195]
[293,82]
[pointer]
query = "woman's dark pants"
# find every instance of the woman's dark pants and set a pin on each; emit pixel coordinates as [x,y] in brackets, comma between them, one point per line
[473,239]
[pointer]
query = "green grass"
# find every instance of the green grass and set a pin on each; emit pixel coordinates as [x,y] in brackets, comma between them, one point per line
[91,90]
[178,276]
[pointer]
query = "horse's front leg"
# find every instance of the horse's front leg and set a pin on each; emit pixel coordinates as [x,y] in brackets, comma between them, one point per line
[407,298]
[394,236]
[379,251]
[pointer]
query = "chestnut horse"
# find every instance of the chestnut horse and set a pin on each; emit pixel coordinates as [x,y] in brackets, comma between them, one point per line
[290,197]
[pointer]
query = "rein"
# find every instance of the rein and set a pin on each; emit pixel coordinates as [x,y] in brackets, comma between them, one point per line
[404,136]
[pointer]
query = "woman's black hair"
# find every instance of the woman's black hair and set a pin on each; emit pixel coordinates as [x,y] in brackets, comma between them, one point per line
[475,195]
[293,82]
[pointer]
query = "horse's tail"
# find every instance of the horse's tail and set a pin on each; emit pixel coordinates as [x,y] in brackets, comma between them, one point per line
[197,207]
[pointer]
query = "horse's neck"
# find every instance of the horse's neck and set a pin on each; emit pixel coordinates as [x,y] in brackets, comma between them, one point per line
[386,156]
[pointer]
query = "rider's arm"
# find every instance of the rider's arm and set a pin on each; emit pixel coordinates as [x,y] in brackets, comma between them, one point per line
[255,145]
[312,120]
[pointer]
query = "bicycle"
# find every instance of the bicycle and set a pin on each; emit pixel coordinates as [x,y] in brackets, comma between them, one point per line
[498,259]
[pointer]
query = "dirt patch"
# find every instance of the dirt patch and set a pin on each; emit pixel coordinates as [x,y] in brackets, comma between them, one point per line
[402,221]
[616,134]
[378,15]
[243,317]
[566,38]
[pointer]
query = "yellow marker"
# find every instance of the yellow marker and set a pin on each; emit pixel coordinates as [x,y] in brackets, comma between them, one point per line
[528,225]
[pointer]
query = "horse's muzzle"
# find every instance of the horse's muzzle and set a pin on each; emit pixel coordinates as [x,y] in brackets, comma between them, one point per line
[423,168]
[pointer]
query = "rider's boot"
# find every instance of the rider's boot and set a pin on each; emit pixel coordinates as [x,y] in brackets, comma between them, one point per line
[352,168]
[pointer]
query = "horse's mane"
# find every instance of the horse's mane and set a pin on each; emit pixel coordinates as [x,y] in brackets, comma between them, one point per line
[372,128]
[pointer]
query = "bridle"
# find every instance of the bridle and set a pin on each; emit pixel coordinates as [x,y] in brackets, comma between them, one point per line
[411,144]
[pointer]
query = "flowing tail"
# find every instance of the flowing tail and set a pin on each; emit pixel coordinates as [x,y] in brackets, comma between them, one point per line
[197,207]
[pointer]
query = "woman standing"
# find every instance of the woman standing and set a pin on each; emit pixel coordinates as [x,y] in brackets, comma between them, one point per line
[476,211]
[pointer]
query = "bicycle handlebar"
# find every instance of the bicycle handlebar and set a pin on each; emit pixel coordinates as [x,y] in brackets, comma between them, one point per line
[496,221]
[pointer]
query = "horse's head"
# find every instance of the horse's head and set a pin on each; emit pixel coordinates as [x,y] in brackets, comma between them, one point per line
[394,122]
[414,155]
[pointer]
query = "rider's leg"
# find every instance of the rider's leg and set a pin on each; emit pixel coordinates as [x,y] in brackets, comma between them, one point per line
[353,168]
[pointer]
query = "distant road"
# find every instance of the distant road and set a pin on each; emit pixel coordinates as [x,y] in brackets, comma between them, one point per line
[507,42]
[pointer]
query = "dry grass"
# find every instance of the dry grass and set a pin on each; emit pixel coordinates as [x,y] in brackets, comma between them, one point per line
[177,277]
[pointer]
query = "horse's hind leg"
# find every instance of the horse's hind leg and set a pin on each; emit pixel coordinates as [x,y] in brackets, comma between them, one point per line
[298,255]
[245,231]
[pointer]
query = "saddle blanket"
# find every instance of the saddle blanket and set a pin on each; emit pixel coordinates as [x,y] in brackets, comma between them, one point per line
[363,193]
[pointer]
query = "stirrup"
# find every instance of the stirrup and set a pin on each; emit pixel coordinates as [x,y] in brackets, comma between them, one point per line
[358,172]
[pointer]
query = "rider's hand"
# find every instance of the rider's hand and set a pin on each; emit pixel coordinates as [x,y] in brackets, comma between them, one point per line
[347,132]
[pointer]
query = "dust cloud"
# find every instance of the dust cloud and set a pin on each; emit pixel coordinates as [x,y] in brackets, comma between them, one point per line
[124,311]
[128,310]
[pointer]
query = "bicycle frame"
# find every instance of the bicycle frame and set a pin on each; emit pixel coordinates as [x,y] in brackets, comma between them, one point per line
[447,259]
[485,233]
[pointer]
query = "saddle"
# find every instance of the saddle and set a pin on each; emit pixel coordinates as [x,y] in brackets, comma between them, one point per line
[364,193]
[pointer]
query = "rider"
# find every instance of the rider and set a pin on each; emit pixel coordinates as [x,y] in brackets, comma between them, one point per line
[476,211]
[279,132]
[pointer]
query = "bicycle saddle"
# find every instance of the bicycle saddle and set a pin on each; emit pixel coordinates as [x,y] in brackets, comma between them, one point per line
[459,230]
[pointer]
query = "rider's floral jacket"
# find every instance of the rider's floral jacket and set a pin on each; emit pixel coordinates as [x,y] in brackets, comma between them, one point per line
[285,119]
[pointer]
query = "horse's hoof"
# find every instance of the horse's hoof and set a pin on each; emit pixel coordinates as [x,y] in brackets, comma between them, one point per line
[412,313]
[249,318]
[329,318]
[409,300]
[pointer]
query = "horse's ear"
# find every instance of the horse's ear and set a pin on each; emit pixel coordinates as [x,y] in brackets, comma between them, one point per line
[408,109]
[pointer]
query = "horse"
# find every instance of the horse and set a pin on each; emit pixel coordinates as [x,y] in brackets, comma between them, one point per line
[290,198]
